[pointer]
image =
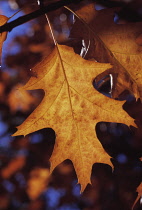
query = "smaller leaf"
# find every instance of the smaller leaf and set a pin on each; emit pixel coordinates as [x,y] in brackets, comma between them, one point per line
[117,44]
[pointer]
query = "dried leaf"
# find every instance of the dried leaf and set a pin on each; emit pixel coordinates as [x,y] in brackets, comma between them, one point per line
[72,107]
[118,44]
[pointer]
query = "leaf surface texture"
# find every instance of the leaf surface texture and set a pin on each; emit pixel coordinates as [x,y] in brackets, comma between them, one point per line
[72,107]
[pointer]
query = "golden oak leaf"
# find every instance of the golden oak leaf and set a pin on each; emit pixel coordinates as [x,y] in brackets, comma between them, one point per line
[118,44]
[72,107]
[3,19]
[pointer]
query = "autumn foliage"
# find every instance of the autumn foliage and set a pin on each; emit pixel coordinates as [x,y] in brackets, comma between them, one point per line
[81,133]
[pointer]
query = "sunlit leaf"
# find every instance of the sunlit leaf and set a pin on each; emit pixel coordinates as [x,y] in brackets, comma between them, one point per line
[72,107]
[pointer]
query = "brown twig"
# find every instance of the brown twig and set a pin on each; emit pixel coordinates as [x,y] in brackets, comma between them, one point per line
[23,19]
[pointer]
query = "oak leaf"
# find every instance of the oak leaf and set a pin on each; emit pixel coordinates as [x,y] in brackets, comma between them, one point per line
[72,107]
[3,19]
[118,44]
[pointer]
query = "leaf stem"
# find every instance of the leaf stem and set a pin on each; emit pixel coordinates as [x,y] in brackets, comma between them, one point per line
[51,30]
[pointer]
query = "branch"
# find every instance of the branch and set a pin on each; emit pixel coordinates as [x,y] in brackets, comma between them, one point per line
[35,14]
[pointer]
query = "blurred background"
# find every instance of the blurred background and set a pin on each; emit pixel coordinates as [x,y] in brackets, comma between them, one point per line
[25,183]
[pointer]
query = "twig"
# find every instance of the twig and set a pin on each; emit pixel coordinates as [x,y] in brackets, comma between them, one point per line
[35,14]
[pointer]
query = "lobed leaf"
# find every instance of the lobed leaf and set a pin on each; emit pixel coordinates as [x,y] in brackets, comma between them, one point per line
[118,44]
[72,107]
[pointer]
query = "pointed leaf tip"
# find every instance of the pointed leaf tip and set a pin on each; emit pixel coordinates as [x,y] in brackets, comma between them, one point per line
[72,107]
